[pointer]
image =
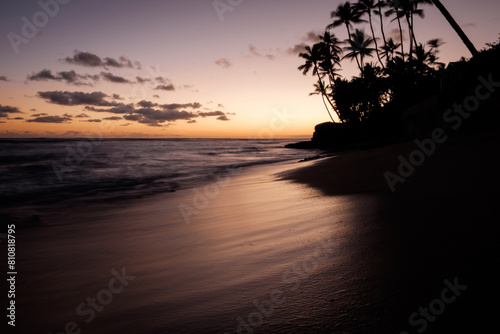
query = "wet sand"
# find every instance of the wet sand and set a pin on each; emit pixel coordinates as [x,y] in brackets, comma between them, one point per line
[256,257]
[440,224]
[325,248]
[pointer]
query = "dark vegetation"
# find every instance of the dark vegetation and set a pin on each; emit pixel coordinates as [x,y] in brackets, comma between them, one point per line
[403,92]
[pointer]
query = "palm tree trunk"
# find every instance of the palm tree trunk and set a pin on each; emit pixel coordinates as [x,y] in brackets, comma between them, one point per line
[323,93]
[413,30]
[410,33]
[382,30]
[455,26]
[375,39]
[350,39]
[401,35]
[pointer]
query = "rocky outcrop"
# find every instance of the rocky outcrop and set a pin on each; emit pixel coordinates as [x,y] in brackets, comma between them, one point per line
[328,135]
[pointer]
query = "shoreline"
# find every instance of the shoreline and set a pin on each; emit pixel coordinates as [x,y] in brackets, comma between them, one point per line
[435,227]
[258,234]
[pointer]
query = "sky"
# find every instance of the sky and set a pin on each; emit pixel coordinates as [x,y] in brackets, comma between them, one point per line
[176,69]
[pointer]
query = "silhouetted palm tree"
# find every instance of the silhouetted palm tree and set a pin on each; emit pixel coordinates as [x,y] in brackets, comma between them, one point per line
[381,4]
[409,8]
[331,51]
[455,26]
[389,48]
[313,58]
[395,8]
[359,46]
[345,14]
[367,7]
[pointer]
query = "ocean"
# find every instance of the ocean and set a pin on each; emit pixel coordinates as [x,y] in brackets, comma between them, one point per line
[38,173]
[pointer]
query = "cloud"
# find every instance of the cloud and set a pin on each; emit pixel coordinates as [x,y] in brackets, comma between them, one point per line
[93,120]
[153,117]
[77,98]
[144,112]
[113,118]
[156,96]
[311,37]
[173,106]
[255,53]
[142,80]
[211,113]
[6,110]
[224,62]
[470,25]
[168,87]
[162,80]
[132,117]
[70,77]
[147,104]
[85,59]
[296,49]
[395,35]
[223,118]
[113,78]
[51,119]
[3,78]
[120,109]
[92,60]
[15,118]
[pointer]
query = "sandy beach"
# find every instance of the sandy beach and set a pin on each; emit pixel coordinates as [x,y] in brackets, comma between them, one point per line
[256,241]
[316,247]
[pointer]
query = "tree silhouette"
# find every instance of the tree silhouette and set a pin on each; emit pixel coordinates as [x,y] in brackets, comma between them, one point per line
[346,14]
[378,10]
[455,26]
[395,9]
[359,46]
[367,7]
[313,58]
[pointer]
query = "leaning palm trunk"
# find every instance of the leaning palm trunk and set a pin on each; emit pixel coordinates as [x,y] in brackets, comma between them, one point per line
[382,29]
[411,36]
[455,26]
[401,35]
[375,39]
[324,94]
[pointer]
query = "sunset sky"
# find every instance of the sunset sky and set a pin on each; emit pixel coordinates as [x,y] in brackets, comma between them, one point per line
[193,70]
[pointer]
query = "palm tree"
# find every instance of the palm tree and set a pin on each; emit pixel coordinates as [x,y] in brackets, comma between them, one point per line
[381,4]
[346,14]
[359,46]
[331,51]
[455,26]
[389,48]
[313,57]
[395,8]
[368,6]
